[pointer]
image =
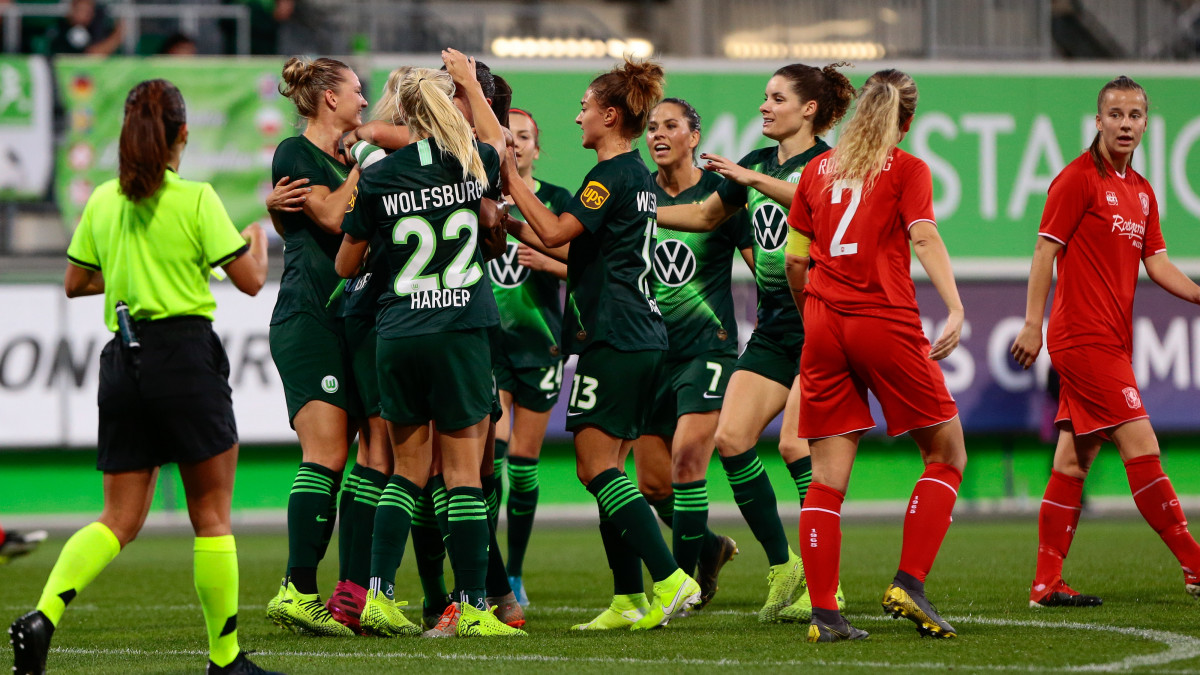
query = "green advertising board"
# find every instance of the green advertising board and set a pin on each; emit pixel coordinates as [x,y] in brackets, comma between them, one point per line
[235,118]
[993,137]
[26,128]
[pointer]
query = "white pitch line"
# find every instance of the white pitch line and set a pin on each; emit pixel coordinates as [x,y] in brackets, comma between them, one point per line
[1179,647]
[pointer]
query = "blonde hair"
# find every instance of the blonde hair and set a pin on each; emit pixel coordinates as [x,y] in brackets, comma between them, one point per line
[425,97]
[305,80]
[885,105]
[387,108]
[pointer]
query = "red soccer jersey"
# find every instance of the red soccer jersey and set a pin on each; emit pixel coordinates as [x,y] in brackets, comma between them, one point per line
[1107,227]
[860,245]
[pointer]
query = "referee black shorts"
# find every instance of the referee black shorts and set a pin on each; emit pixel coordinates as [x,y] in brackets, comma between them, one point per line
[169,401]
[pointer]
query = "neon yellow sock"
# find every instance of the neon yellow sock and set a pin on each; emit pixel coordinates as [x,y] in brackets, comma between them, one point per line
[216,573]
[86,554]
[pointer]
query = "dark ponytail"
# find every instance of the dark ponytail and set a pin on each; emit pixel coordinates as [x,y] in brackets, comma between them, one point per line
[634,88]
[827,86]
[154,114]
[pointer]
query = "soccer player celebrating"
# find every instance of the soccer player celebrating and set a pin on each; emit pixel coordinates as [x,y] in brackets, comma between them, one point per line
[691,285]
[1100,224]
[434,359]
[147,241]
[614,324]
[307,340]
[801,103]
[861,205]
[526,358]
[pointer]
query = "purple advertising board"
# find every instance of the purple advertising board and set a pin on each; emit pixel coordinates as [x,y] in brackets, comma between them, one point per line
[994,394]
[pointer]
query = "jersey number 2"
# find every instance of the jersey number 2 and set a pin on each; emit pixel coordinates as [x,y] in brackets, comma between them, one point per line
[462,270]
[836,247]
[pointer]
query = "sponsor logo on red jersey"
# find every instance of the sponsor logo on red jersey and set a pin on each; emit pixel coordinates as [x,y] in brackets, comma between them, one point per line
[1112,198]
[1131,397]
[1145,199]
[1132,229]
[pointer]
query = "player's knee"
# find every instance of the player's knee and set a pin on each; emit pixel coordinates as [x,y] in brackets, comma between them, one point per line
[730,443]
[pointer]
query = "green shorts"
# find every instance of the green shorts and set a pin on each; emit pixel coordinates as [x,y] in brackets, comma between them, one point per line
[694,385]
[774,357]
[534,389]
[443,377]
[361,343]
[614,390]
[313,363]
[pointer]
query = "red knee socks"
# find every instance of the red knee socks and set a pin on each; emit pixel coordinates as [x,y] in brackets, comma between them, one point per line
[821,543]
[928,518]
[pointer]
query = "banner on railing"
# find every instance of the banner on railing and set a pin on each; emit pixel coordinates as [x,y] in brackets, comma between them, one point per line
[235,119]
[26,128]
[50,348]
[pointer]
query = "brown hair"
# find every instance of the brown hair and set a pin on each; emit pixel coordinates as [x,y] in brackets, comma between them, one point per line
[886,103]
[305,80]
[501,100]
[1121,83]
[154,114]
[633,88]
[827,86]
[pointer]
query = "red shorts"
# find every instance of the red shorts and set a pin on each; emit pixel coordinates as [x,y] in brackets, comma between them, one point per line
[845,355]
[1098,390]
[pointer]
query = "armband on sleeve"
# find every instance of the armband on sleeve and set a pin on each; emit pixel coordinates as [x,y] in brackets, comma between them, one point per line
[797,244]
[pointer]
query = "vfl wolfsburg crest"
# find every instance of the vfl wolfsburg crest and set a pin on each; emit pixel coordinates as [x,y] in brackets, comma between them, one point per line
[330,384]
[505,271]
[674,262]
[770,226]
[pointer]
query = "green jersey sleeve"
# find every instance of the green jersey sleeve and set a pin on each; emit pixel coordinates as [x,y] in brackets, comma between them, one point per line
[733,193]
[219,239]
[602,192]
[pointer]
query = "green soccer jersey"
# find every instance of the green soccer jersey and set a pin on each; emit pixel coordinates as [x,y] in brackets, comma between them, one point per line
[777,313]
[360,296]
[609,296]
[428,217]
[308,251]
[692,276]
[530,307]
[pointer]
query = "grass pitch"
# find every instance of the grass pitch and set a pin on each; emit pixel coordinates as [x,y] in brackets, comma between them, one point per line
[142,615]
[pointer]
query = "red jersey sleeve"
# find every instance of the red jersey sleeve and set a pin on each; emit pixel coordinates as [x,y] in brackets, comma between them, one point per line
[1154,243]
[1066,204]
[916,194]
[800,215]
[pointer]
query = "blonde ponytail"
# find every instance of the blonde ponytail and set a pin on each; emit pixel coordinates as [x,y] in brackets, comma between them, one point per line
[425,97]
[885,105]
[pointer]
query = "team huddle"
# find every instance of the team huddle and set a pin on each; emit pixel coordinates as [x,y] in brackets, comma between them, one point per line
[419,310]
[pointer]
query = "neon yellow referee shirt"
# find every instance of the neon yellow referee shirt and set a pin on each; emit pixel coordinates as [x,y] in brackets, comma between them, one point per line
[156,254]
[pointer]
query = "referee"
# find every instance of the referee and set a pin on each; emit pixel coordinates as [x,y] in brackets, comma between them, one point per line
[147,242]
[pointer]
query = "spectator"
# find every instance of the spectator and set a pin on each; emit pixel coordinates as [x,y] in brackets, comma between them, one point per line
[178,44]
[86,28]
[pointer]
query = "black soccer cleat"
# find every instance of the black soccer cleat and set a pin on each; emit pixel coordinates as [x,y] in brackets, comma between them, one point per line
[912,604]
[239,666]
[17,544]
[839,630]
[30,637]
[710,564]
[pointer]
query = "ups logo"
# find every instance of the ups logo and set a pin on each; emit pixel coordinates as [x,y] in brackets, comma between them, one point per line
[594,195]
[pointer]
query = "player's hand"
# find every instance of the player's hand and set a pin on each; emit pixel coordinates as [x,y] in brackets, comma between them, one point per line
[288,196]
[534,259]
[460,66]
[949,337]
[1027,346]
[727,168]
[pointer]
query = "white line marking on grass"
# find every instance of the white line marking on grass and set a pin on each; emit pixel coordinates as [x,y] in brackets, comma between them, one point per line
[1179,647]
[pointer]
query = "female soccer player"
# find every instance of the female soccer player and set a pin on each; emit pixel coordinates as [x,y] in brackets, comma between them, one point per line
[613,323]
[147,241]
[1100,222]
[307,340]
[801,103]
[692,287]
[434,360]
[861,205]
[526,358]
